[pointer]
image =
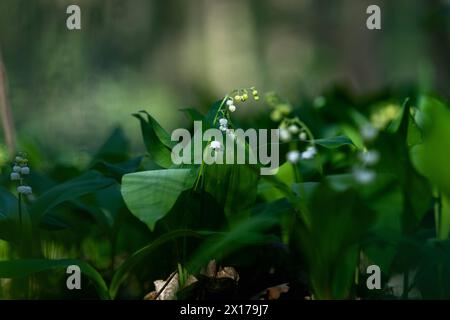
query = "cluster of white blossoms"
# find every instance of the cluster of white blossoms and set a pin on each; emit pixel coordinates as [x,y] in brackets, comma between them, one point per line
[362,171]
[291,132]
[19,170]
[223,124]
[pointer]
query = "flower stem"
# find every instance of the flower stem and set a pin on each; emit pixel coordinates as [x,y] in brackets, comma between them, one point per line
[20,209]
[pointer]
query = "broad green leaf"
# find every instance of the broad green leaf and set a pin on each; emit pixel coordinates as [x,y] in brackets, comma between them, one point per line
[233,186]
[151,194]
[156,140]
[89,182]
[25,267]
[431,157]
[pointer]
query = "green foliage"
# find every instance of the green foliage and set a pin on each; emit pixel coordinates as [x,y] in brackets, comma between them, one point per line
[22,268]
[151,194]
[156,140]
[137,219]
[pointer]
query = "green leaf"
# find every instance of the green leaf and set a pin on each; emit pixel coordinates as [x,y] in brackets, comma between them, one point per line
[151,194]
[334,142]
[156,140]
[431,157]
[162,135]
[143,254]
[89,182]
[268,186]
[25,267]
[331,243]
[233,186]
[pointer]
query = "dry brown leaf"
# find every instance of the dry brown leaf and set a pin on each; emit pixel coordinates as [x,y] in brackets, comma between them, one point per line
[274,293]
[210,270]
[228,272]
[151,295]
[170,290]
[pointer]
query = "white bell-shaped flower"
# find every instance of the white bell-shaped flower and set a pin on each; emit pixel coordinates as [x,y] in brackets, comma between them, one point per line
[293,156]
[15,176]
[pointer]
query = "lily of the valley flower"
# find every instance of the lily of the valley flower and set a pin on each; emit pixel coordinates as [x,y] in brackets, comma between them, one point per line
[25,170]
[368,132]
[302,136]
[230,104]
[364,175]
[24,190]
[223,124]
[293,129]
[293,156]
[370,157]
[215,145]
[309,153]
[15,176]
[285,136]
[19,169]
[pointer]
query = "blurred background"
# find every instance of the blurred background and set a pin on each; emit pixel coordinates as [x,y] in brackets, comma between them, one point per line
[69,89]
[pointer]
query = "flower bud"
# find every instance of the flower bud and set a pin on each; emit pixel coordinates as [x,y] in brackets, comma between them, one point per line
[293,129]
[285,136]
[302,136]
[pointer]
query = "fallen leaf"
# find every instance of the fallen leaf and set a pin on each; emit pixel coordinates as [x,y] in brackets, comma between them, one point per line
[274,293]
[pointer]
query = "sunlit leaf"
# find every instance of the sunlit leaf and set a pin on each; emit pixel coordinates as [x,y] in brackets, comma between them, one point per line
[151,194]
